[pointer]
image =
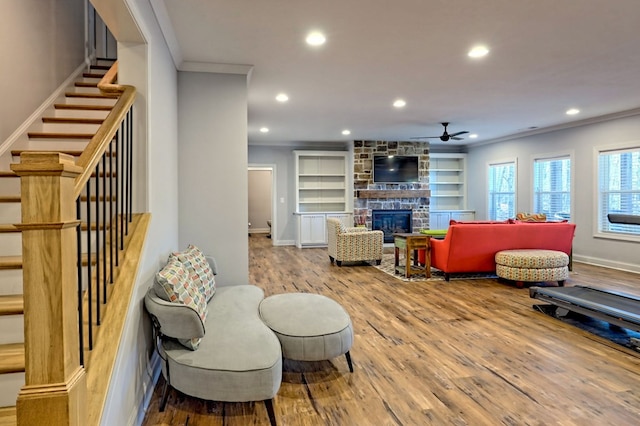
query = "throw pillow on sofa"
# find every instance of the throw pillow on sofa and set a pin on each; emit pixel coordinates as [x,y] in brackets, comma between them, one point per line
[173,284]
[199,270]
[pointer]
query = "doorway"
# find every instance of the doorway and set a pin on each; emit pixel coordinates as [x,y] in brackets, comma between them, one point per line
[262,205]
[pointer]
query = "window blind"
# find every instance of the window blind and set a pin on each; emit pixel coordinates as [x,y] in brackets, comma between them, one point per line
[502,191]
[552,187]
[618,188]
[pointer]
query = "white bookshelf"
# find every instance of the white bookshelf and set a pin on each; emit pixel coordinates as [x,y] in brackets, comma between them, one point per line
[448,185]
[322,185]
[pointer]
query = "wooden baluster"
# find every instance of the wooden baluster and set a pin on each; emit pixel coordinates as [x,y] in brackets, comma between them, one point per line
[55,391]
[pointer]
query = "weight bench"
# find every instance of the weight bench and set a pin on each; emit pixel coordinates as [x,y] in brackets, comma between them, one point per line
[615,308]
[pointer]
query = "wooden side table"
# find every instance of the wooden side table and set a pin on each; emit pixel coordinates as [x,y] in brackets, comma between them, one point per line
[410,244]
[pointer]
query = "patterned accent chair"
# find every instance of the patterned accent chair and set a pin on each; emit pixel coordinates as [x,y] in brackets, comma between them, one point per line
[353,244]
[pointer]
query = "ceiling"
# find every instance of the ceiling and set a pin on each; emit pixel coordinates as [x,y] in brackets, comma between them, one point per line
[545,56]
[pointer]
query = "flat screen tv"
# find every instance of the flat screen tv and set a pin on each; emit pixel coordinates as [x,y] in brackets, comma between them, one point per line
[395,168]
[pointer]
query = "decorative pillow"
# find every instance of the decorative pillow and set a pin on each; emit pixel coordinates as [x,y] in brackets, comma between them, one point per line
[531,217]
[199,270]
[174,285]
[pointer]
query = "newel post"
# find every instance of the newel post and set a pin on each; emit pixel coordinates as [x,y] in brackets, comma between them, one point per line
[55,388]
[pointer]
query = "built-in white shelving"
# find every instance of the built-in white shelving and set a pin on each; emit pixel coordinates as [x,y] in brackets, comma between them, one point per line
[448,185]
[322,189]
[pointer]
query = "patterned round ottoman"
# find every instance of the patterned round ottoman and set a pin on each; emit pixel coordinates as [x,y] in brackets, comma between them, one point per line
[530,265]
[311,327]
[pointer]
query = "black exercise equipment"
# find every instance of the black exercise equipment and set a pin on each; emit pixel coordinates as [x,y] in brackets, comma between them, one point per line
[625,219]
[615,308]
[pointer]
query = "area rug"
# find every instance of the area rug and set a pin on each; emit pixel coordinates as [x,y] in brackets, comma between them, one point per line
[388,267]
[619,335]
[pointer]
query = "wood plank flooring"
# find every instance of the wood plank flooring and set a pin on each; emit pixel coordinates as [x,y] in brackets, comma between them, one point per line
[465,352]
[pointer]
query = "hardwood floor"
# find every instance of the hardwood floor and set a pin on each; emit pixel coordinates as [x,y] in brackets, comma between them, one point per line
[465,352]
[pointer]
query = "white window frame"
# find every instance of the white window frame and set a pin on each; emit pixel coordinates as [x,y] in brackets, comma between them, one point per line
[549,157]
[597,232]
[490,164]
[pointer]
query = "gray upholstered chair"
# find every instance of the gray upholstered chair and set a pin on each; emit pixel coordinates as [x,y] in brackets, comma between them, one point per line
[238,358]
[353,244]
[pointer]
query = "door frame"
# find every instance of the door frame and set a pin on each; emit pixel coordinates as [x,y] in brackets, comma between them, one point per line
[274,198]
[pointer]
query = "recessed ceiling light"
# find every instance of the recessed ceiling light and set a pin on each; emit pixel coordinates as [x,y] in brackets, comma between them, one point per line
[573,111]
[399,103]
[478,51]
[346,132]
[315,38]
[264,129]
[282,97]
[473,136]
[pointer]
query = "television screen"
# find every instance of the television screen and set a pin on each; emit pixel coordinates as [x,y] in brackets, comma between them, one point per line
[395,168]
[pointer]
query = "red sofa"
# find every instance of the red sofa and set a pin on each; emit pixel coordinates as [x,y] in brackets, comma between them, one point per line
[471,247]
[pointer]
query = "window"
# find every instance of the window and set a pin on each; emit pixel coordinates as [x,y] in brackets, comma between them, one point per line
[502,190]
[552,187]
[618,188]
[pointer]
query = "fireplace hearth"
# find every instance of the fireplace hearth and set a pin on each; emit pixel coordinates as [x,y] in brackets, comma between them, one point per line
[391,222]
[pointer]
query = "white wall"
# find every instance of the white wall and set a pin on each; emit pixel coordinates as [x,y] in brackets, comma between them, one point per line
[150,68]
[212,158]
[42,43]
[581,142]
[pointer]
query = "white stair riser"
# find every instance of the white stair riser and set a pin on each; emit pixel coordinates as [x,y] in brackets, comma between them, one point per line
[83,89]
[79,113]
[56,145]
[10,213]
[67,128]
[9,186]
[10,281]
[10,385]
[11,329]
[11,243]
[90,101]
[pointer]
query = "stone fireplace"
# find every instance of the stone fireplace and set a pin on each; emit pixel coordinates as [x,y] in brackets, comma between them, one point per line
[391,222]
[370,196]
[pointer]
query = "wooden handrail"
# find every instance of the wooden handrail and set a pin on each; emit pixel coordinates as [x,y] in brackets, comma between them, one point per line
[100,141]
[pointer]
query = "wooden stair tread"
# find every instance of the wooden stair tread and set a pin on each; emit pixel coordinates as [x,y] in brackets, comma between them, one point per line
[86,84]
[11,358]
[10,262]
[7,174]
[8,416]
[10,199]
[12,304]
[73,152]
[92,75]
[101,67]
[84,107]
[61,135]
[90,95]
[6,228]
[72,120]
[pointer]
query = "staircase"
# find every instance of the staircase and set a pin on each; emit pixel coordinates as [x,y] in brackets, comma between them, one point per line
[67,126]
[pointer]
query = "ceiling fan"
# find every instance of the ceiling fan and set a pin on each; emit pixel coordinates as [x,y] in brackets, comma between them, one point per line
[445,136]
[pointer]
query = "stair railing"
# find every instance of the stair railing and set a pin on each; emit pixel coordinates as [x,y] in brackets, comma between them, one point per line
[58,278]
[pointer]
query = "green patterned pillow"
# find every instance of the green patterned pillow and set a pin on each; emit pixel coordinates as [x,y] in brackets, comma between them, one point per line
[174,285]
[199,270]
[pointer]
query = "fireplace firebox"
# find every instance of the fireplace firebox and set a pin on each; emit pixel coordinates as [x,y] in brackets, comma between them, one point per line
[391,222]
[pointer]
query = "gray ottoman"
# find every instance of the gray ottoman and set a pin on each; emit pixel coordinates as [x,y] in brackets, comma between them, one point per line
[311,327]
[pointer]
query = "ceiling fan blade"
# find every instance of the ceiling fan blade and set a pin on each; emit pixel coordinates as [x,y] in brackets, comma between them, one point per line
[425,137]
[456,138]
[458,133]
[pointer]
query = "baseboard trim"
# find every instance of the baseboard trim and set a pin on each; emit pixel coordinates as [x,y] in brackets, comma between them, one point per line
[605,263]
[154,368]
